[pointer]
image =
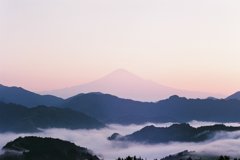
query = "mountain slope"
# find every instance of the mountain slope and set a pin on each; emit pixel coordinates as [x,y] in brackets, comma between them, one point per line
[234,96]
[36,148]
[127,85]
[16,118]
[111,109]
[174,133]
[24,97]
[108,108]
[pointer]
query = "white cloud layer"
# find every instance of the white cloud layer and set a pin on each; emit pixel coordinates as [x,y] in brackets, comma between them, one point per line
[96,140]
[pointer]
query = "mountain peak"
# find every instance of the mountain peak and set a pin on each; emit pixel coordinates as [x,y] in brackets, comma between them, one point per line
[121,73]
[174,97]
[120,77]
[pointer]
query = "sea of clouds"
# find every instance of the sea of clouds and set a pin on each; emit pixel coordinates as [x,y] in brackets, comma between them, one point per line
[96,140]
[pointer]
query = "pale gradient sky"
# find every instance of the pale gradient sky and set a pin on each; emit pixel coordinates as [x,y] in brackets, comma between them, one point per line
[189,44]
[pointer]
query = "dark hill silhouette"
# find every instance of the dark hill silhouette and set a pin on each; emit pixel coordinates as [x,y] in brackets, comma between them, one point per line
[111,109]
[17,118]
[234,96]
[184,110]
[108,108]
[24,97]
[36,148]
[176,132]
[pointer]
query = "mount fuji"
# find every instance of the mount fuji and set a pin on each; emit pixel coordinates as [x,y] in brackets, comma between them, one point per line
[124,84]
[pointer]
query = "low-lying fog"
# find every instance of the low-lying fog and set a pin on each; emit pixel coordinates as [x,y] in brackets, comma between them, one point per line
[96,140]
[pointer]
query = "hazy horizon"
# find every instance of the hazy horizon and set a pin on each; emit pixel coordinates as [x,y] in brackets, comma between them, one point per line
[184,44]
[127,85]
[124,84]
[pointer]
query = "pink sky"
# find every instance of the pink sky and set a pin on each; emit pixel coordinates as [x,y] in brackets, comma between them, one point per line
[184,44]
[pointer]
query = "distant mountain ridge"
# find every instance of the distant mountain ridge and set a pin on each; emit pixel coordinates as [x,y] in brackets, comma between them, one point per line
[107,108]
[175,133]
[17,118]
[124,84]
[111,109]
[27,98]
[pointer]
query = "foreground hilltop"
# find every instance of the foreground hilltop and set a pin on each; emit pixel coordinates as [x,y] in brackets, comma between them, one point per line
[36,148]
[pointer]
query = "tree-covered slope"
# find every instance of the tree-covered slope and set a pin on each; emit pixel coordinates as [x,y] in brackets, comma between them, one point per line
[36,148]
[17,118]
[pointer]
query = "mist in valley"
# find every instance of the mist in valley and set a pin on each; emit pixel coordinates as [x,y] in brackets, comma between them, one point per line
[96,140]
